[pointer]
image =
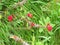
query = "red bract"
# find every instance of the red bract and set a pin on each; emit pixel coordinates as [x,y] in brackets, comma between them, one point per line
[29,15]
[32,24]
[49,27]
[10,18]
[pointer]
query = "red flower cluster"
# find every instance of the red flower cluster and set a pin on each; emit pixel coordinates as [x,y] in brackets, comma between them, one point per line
[10,18]
[49,27]
[29,15]
[32,24]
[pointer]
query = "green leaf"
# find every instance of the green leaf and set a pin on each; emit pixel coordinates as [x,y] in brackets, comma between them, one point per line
[16,0]
[3,0]
[39,43]
[47,20]
[59,10]
[33,39]
[41,30]
[50,33]
[41,22]
[52,25]
[0,7]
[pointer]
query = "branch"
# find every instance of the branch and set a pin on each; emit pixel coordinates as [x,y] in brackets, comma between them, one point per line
[16,38]
[20,3]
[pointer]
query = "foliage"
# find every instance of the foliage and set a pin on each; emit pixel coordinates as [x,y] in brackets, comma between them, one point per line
[43,12]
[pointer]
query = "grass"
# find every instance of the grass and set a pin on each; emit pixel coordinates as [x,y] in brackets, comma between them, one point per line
[43,12]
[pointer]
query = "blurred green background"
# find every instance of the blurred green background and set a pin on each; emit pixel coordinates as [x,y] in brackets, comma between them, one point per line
[43,11]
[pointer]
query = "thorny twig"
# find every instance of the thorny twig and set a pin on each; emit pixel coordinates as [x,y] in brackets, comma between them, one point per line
[29,22]
[20,3]
[16,38]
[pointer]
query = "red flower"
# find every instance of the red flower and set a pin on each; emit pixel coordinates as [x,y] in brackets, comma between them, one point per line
[49,27]
[29,15]
[32,24]
[10,18]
